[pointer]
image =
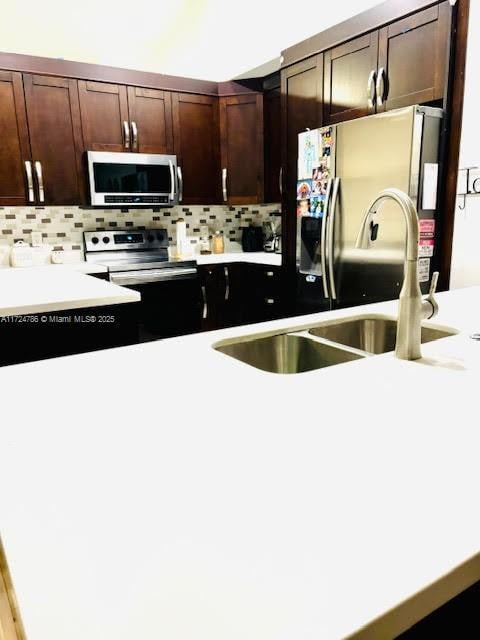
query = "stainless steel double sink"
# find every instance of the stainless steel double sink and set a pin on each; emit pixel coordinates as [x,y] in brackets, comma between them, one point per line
[322,345]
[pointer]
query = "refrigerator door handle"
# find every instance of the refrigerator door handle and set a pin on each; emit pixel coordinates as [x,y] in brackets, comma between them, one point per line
[323,240]
[331,238]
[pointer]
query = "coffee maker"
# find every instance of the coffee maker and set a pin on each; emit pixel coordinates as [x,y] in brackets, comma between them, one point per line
[271,237]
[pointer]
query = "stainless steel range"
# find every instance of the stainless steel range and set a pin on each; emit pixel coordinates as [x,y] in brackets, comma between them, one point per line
[139,259]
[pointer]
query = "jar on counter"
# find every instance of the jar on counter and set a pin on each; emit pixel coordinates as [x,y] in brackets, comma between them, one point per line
[218,242]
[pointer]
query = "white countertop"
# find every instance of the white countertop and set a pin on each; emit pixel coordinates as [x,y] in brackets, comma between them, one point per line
[56,288]
[194,497]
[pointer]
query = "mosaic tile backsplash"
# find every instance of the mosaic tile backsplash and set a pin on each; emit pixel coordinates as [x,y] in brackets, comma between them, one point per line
[62,227]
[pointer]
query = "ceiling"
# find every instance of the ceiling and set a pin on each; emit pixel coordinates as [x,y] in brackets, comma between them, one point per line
[209,39]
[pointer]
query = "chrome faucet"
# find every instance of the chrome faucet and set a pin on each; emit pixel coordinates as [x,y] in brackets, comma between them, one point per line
[412,309]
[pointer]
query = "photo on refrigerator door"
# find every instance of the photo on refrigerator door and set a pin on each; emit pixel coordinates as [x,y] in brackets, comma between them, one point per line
[304,189]
[317,206]
[303,207]
[308,154]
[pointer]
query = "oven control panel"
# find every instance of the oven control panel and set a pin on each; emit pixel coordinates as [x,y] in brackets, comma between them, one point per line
[126,239]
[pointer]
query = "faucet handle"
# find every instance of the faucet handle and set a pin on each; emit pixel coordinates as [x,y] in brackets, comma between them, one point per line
[429,304]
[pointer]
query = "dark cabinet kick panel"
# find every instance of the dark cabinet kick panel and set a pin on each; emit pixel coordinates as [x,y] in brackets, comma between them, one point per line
[150,113]
[14,145]
[197,146]
[55,137]
[104,112]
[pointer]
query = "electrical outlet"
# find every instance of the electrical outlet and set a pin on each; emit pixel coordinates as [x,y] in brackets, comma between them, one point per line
[36,239]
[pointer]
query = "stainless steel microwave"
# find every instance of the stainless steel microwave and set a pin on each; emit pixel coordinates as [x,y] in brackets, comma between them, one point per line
[138,179]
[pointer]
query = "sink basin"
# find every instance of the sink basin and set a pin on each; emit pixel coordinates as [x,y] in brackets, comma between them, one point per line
[372,334]
[287,353]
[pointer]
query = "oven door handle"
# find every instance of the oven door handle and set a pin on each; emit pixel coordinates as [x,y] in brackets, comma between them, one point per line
[161,275]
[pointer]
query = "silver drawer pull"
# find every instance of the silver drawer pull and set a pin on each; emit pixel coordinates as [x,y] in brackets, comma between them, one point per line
[269,274]
[269,300]
[227,284]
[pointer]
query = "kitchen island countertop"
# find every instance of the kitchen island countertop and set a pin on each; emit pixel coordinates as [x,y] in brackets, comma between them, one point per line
[211,500]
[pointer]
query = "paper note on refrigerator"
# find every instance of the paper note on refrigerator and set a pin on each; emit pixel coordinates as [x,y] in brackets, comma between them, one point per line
[308,153]
[430,185]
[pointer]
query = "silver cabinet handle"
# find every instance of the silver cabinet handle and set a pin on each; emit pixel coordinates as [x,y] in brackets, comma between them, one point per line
[371,89]
[172,181]
[381,85]
[28,170]
[227,283]
[126,131]
[323,240]
[269,274]
[280,181]
[224,184]
[205,305]
[180,183]
[39,173]
[134,136]
[331,238]
[269,301]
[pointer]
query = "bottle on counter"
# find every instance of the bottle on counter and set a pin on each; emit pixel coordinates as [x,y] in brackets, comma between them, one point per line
[218,242]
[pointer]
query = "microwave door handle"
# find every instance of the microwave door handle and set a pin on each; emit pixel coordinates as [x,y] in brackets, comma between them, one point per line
[331,237]
[172,181]
[323,243]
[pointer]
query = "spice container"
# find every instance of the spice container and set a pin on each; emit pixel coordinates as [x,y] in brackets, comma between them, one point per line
[218,243]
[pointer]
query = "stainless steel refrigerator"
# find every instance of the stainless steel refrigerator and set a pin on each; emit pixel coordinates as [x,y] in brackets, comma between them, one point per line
[341,169]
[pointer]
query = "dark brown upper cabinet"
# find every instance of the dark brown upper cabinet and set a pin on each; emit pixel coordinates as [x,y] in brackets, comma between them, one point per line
[15,158]
[105,119]
[197,146]
[53,115]
[413,58]
[120,118]
[241,148]
[272,144]
[150,114]
[349,85]
[402,64]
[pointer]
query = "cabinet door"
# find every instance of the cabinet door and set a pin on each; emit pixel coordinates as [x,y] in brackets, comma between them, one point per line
[349,79]
[14,142]
[302,90]
[197,146]
[241,140]
[150,120]
[413,56]
[104,112]
[214,291]
[55,137]
[271,111]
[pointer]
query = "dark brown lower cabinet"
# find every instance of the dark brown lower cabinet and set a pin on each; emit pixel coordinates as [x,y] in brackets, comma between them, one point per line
[240,293]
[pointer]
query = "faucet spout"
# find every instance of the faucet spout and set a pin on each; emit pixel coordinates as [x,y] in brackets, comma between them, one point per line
[412,309]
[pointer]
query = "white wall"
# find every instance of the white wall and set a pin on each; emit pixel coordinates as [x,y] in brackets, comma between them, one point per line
[210,39]
[466,238]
